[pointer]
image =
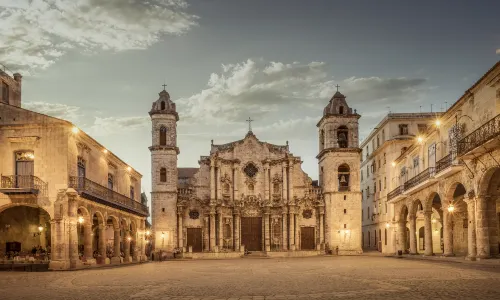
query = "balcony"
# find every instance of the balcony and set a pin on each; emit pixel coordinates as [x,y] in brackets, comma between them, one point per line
[396,194]
[101,194]
[446,167]
[23,184]
[484,136]
[418,182]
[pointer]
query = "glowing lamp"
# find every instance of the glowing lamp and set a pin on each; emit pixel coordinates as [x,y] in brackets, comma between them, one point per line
[451,208]
[80,220]
[105,151]
[148,233]
[393,164]
[129,169]
[75,130]
[438,123]
[387,225]
[129,239]
[40,228]
[420,139]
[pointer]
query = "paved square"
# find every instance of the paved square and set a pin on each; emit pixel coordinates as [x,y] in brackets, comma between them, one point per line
[365,277]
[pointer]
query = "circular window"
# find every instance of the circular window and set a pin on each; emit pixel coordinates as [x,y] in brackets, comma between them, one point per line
[194,214]
[307,214]
[250,170]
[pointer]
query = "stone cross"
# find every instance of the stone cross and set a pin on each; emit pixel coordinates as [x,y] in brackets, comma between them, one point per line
[249,124]
[164,86]
[337,86]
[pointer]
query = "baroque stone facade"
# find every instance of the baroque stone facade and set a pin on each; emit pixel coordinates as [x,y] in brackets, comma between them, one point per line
[253,195]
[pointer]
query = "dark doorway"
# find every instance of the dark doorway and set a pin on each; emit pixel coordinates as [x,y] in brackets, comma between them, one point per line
[194,239]
[251,233]
[307,238]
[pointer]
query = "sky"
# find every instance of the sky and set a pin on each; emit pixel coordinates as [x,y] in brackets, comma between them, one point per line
[101,64]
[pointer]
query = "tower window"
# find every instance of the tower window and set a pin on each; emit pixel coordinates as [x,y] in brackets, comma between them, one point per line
[162,209]
[341,110]
[343,174]
[403,129]
[162,105]
[345,211]
[163,136]
[342,136]
[163,175]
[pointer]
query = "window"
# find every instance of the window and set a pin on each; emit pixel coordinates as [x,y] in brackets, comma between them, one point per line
[383,135]
[162,105]
[250,170]
[362,194]
[341,110]
[422,128]
[345,225]
[369,239]
[5,92]
[378,141]
[379,164]
[322,139]
[342,137]
[403,129]
[379,185]
[385,161]
[343,176]
[345,211]
[368,214]
[162,209]
[361,174]
[385,183]
[163,175]
[110,181]
[132,193]
[375,187]
[163,136]
[367,171]
[345,197]
[367,192]
[385,236]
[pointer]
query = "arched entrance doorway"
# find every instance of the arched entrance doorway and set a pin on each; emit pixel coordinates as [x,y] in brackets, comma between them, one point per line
[488,208]
[25,232]
[456,222]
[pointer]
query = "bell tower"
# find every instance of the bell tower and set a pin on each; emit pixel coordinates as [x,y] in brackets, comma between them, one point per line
[339,162]
[164,152]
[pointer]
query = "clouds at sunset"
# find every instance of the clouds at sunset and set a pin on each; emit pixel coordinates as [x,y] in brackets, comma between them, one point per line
[36,33]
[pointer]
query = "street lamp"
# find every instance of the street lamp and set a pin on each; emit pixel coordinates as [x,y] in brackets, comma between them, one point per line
[387,225]
[80,220]
[451,208]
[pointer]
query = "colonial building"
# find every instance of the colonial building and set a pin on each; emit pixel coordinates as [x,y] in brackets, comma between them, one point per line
[391,137]
[253,195]
[450,178]
[64,198]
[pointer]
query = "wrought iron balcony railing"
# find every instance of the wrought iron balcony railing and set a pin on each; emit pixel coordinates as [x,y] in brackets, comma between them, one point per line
[444,163]
[23,184]
[396,192]
[421,177]
[478,137]
[96,192]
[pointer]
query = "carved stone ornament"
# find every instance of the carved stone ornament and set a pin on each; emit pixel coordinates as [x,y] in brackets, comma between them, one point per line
[194,214]
[24,139]
[307,214]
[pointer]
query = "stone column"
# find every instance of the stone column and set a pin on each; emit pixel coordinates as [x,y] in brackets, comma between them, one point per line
[266,230]
[116,242]
[102,241]
[471,229]
[212,179]
[218,183]
[285,184]
[236,234]
[290,182]
[206,235]
[413,234]
[235,182]
[393,237]
[220,228]
[482,228]
[180,236]
[284,221]
[322,227]
[73,234]
[493,226]
[212,229]
[428,233]
[87,239]
[402,235]
[291,236]
[448,233]
[266,182]
[126,247]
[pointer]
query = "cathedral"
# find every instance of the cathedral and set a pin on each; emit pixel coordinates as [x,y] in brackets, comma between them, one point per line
[253,196]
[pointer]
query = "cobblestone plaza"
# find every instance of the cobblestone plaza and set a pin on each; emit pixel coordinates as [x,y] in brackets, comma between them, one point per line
[361,277]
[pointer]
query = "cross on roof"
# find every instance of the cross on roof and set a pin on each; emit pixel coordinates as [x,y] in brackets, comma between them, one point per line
[249,124]
[337,86]
[164,86]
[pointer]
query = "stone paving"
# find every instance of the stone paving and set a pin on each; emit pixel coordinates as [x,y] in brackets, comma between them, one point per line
[362,277]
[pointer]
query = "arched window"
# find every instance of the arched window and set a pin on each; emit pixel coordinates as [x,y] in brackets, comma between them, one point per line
[341,110]
[163,175]
[342,136]
[163,136]
[162,105]
[343,175]
[322,139]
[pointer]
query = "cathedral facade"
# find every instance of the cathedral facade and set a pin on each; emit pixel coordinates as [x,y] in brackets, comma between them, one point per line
[252,195]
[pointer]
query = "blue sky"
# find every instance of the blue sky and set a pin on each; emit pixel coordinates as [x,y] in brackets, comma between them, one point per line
[101,63]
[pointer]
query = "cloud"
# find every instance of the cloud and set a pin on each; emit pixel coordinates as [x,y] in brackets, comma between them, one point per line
[35,33]
[61,111]
[260,88]
[114,125]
